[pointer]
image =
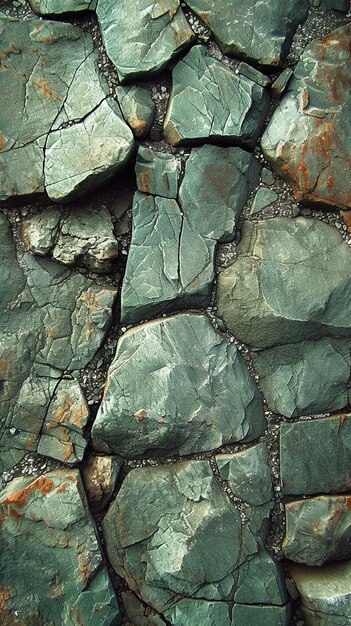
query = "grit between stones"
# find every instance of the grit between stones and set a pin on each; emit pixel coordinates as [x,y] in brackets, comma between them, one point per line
[175,301]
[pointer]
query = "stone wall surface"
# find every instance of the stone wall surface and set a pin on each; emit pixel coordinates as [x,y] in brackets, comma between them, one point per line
[175,313]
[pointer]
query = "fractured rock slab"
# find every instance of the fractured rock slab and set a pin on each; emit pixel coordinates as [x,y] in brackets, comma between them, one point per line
[52,570]
[138,109]
[263,297]
[171,260]
[58,7]
[304,448]
[318,530]
[142,37]
[256,30]
[248,474]
[196,394]
[209,102]
[157,173]
[308,137]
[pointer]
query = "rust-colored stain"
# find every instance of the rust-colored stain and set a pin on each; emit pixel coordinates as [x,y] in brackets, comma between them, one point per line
[343,420]
[45,90]
[23,236]
[20,497]
[13,49]
[93,305]
[2,141]
[141,415]
[348,503]
[346,215]
[144,183]
[68,411]
[138,126]
[62,488]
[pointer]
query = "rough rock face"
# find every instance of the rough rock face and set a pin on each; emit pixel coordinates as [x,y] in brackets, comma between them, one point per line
[210,102]
[138,109]
[51,568]
[308,137]
[253,29]
[260,296]
[248,474]
[152,34]
[57,7]
[100,475]
[196,393]
[41,91]
[171,259]
[304,448]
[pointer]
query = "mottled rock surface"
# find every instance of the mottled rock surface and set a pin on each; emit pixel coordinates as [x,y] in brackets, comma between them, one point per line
[57,7]
[253,29]
[152,34]
[52,571]
[100,476]
[210,102]
[261,295]
[196,394]
[248,474]
[138,109]
[308,137]
[157,173]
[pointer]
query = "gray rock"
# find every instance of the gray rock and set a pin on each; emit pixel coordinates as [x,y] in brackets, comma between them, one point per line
[157,173]
[255,30]
[210,102]
[196,394]
[263,198]
[262,297]
[152,34]
[138,109]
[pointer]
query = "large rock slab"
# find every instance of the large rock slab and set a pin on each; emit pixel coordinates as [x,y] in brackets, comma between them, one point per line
[263,615]
[306,378]
[171,258]
[325,593]
[159,537]
[52,321]
[52,570]
[256,30]
[248,474]
[58,7]
[318,530]
[196,394]
[209,102]
[141,38]
[308,137]
[49,77]
[304,447]
[263,297]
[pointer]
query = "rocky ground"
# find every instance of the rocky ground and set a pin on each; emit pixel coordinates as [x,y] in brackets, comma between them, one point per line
[175,304]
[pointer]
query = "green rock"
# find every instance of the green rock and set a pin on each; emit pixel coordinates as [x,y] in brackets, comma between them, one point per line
[248,474]
[171,259]
[256,30]
[52,570]
[138,613]
[49,77]
[138,109]
[190,612]
[280,84]
[290,282]
[87,154]
[84,236]
[325,593]
[142,37]
[308,137]
[263,615]
[261,581]
[318,530]
[267,177]
[196,394]
[305,378]
[336,5]
[51,321]
[263,198]
[210,102]
[253,74]
[57,7]
[159,535]
[157,173]
[304,447]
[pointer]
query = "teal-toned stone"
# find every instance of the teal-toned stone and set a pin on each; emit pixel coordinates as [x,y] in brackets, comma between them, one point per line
[210,102]
[51,321]
[308,138]
[159,535]
[318,530]
[336,5]
[189,612]
[262,296]
[157,173]
[52,569]
[305,378]
[248,474]
[196,394]
[267,177]
[304,447]
[325,593]
[261,581]
[49,76]
[141,38]
[255,30]
[253,74]
[100,475]
[87,154]
[171,259]
[138,109]
[138,613]
[263,615]
[58,7]
[263,199]
[84,237]
[280,84]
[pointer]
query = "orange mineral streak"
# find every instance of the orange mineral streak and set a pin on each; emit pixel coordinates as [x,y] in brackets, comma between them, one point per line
[94,306]
[62,488]
[343,420]
[2,141]
[69,411]
[45,90]
[20,497]
[348,503]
